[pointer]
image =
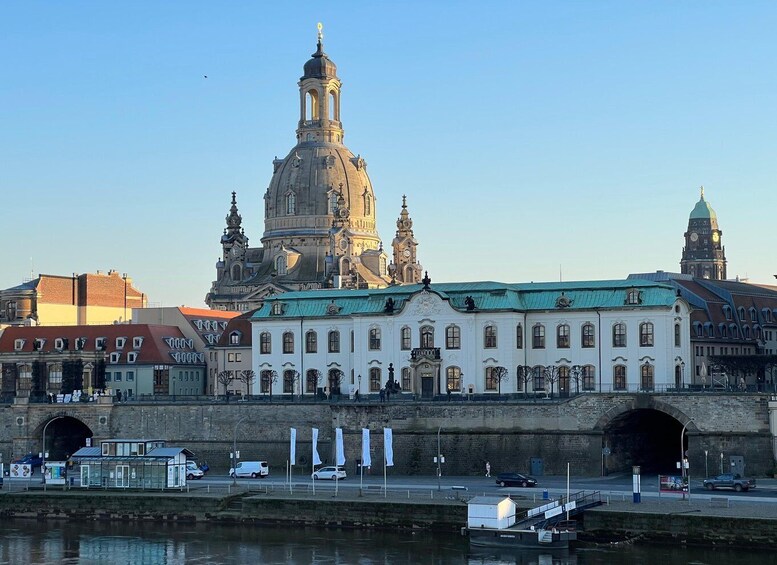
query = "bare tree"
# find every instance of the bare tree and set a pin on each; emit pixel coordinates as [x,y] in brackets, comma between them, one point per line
[247,378]
[576,372]
[335,380]
[316,376]
[499,374]
[294,378]
[524,375]
[551,374]
[225,378]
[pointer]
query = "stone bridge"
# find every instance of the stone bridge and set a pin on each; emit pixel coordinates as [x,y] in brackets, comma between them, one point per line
[595,433]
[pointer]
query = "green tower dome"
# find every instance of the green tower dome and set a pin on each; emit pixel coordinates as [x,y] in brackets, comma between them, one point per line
[702,210]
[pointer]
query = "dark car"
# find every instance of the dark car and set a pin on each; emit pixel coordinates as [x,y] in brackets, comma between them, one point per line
[34,461]
[515,480]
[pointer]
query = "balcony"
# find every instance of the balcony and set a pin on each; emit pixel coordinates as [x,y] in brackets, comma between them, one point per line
[431,353]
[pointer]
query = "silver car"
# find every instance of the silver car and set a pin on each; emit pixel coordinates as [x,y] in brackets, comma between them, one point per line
[331,473]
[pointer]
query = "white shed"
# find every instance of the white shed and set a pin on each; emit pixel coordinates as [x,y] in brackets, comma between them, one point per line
[490,512]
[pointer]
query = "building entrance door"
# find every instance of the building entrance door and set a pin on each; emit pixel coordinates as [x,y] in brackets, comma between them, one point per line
[122,476]
[427,386]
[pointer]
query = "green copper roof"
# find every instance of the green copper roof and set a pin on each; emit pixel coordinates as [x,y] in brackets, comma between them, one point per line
[702,210]
[488,297]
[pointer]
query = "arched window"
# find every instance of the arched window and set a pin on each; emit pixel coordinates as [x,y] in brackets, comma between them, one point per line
[538,336]
[647,376]
[280,265]
[619,335]
[588,336]
[333,202]
[678,338]
[723,330]
[453,337]
[265,343]
[453,379]
[406,384]
[539,378]
[374,339]
[291,204]
[367,204]
[619,377]
[289,376]
[334,111]
[405,339]
[519,336]
[646,334]
[311,342]
[265,381]
[746,332]
[375,379]
[489,337]
[312,105]
[562,336]
[288,342]
[312,380]
[727,312]
[335,379]
[589,377]
[333,340]
[741,311]
[237,272]
[427,336]
[563,380]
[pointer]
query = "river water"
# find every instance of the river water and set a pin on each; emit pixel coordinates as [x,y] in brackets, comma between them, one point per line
[29,541]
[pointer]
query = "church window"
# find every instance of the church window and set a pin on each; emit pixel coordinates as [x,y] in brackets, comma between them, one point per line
[288,342]
[334,341]
[375,384]
[588,337]
[332,202]
[519,336]
[405,378]
[562,336]
[619,377]
[367,205]
[589,377]
[538,336]
[237,273]
[280,265]
[677,336]
[453,379]
[489,337]
[405,339]
[265,343]
[646,334]
[427,336]
[619,335]
[311,342]
[453,337]
[291,204]
[647,376]
[374,339]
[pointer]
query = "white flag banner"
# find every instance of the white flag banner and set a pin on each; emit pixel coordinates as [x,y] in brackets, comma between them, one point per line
[293,447]
[339,450]
[366,460]
[316,458]
[388,446]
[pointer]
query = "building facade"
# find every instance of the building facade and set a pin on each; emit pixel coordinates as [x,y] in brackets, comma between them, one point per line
[479,338]
[704,255]
[52,300]
[320,213]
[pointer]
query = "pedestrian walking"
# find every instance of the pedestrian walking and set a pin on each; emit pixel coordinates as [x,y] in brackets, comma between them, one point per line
[382,395]
[488,469]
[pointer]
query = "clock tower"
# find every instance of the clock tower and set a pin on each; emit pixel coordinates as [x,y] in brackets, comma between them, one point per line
[704,255]
[405,269]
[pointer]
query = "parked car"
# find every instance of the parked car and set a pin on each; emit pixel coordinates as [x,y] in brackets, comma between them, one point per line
[31,459]
[251,469]
[515,480]
[193,471]
[332,473]
[728,480]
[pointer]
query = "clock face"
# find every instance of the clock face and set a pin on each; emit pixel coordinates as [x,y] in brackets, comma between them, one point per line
[694,236]
[406,253]
[715,236]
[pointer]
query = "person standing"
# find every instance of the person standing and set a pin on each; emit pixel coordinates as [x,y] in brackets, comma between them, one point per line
[488,469]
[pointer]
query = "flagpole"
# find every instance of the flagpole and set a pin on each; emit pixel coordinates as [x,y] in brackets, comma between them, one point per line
[384,474]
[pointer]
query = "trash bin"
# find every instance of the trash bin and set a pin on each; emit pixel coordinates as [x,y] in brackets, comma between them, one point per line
[545,494]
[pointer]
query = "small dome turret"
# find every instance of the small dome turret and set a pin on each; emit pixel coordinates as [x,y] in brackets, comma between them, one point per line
[319,66]
[703,210]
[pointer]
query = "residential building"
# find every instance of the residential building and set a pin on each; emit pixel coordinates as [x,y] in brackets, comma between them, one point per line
[229,361]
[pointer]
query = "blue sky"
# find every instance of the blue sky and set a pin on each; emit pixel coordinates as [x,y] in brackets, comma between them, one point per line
[530,137]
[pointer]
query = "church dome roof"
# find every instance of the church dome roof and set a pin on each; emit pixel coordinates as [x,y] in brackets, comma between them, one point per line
[319,65]
[702,210]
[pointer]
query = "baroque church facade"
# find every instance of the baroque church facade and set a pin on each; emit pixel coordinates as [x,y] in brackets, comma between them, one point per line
[320,212]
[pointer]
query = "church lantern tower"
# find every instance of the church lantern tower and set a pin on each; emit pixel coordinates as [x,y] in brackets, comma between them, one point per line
[704,255]
[406,268]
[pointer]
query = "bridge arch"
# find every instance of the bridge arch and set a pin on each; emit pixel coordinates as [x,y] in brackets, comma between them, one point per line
[644,431]
[65,434]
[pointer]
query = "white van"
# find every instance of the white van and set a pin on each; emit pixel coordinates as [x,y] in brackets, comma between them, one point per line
[251,469]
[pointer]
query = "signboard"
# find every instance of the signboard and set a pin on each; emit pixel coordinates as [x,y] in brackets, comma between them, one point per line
[55,473]
[21,471]
[672,483]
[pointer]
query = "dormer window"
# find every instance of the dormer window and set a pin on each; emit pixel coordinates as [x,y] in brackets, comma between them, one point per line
[99,343]
[633,297]
[727,312]
[277,309]
[18,344]
[137,342]
[234,338]
[80,343]
[741,312]
[120,341]
[753,315]
[132,356]
[115,357]
[38,343]
[281,267]
[59,344]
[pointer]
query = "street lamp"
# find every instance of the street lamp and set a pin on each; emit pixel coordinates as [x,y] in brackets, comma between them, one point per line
[682,374]
[234,452]
[706,468]
[682,460]
[439,457]
[43,454]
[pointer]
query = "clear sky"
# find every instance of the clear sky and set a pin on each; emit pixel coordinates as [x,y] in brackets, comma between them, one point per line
[531,138]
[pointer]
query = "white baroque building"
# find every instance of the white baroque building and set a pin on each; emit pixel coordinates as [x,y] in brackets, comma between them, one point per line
[477,337]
